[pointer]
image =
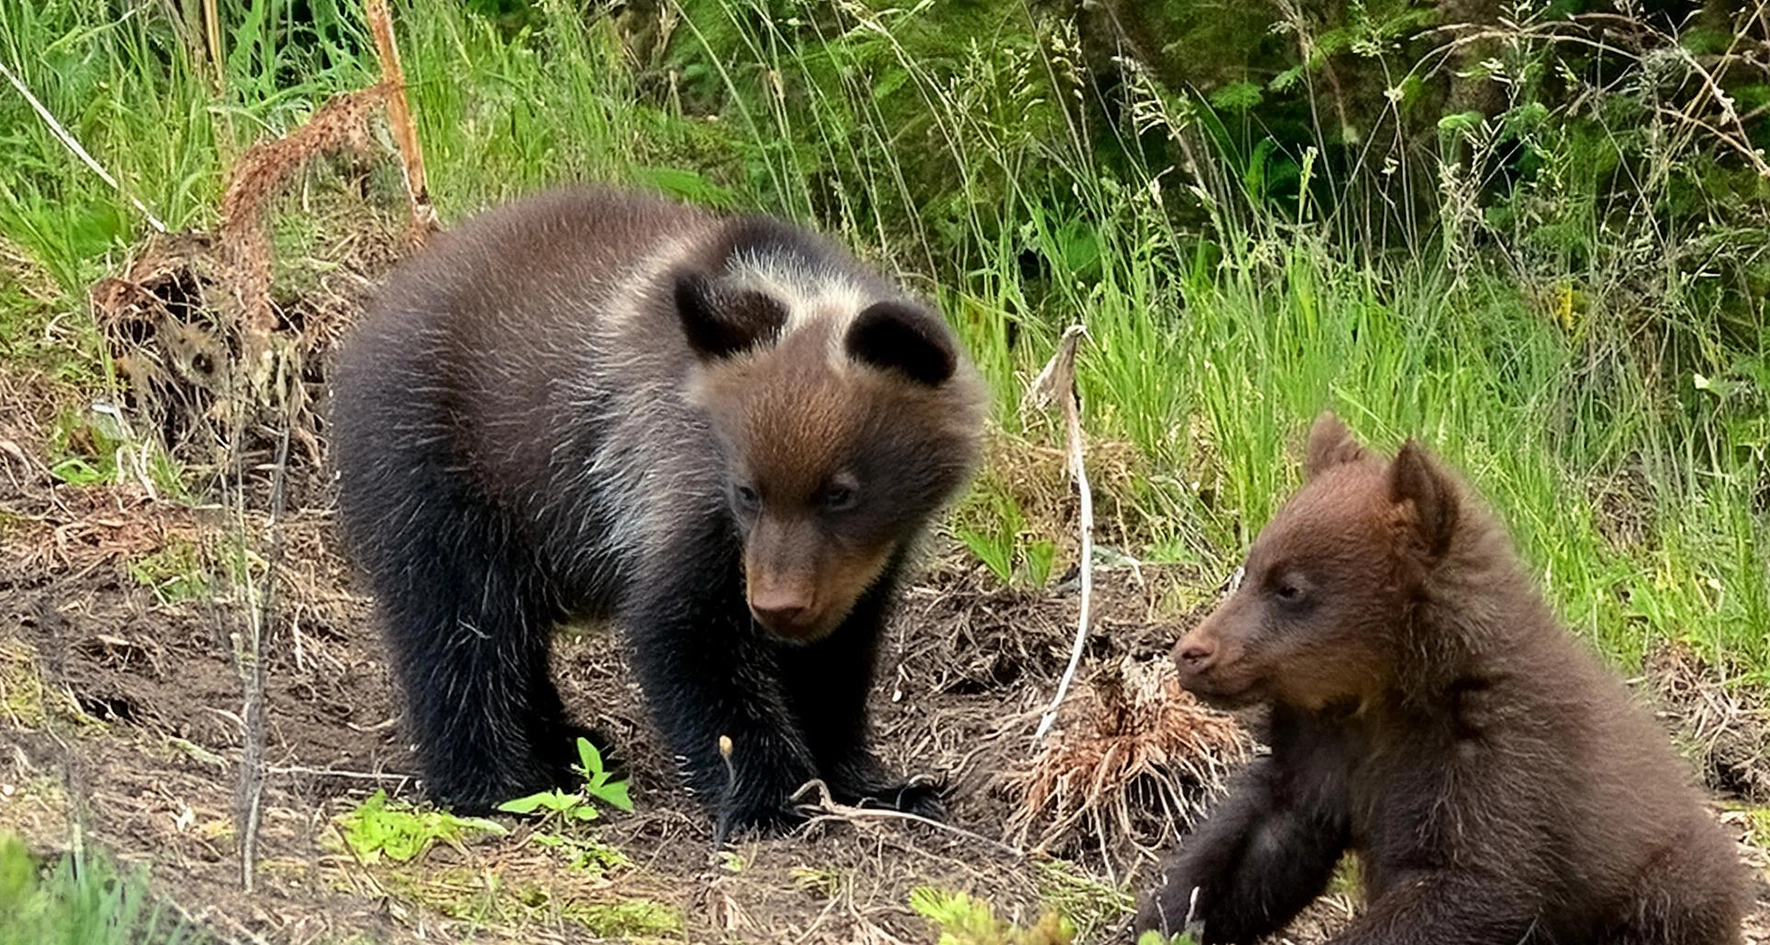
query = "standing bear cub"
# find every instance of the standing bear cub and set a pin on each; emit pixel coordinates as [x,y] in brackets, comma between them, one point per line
[1428,713]
[721,433]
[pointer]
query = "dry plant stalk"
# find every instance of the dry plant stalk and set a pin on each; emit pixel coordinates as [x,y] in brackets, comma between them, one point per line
[1632,35]
[1058,379]
[249,657]
[828,809]
[399,117]
[212,34]
[261,174]
[244,252]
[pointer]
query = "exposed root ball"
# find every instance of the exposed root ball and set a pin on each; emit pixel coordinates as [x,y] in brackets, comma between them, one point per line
[1133,768]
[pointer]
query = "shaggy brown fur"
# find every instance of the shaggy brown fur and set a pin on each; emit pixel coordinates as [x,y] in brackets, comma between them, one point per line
[721,433]
[1430,714]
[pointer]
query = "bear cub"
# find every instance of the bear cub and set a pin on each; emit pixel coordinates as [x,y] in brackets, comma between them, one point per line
[723,434]
[1427,712]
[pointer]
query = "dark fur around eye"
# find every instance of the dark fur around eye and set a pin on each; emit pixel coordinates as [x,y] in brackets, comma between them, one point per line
[1289,592]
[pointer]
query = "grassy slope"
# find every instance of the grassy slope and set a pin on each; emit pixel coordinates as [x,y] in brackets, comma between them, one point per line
[1208,360]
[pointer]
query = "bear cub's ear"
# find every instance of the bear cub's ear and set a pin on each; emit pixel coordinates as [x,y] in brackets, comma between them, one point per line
[1330,444]
[720,320]
[1416,477]
[902,337]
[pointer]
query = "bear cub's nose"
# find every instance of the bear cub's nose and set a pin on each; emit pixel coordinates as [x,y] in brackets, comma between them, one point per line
[776,606]
[1193,656]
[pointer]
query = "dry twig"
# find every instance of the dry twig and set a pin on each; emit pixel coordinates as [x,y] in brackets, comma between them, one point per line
[250,790]
[1058,379]
[834,811]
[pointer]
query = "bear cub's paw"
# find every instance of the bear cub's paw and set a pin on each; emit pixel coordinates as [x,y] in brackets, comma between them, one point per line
[759,820]
[1168,908]
[866,782]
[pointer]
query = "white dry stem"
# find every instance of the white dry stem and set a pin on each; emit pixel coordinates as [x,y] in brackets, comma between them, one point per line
[62,134]
[212,33]
[250,656]
[1058,379]
[835,811]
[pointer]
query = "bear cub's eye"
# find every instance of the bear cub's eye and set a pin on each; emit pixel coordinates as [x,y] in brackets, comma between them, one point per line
[839,498]
[747,499]
[1289,589]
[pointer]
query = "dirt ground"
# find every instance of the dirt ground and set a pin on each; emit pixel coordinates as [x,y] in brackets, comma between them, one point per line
[123,719]
[123,714]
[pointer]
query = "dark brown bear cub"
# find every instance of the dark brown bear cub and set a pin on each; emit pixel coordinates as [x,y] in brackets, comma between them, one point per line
[722,433]
[1429,713]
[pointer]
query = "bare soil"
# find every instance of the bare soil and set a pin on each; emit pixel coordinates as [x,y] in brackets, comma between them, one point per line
[122,717]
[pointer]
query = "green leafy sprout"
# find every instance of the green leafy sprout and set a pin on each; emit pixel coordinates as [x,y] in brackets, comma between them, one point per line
[399,831]
[576,806]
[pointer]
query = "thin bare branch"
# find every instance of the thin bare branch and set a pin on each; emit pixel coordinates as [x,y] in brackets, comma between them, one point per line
[1058,379]
[835,811]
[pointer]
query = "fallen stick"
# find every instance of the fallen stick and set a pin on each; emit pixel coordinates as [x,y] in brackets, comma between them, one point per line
[831,810]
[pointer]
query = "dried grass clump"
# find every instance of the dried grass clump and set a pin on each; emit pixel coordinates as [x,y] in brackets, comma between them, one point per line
[214,368]
[167,346]
[1725,728]
[1132,769]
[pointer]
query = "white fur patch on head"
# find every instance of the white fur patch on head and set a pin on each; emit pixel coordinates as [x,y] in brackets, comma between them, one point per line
[812,294]
[648,270]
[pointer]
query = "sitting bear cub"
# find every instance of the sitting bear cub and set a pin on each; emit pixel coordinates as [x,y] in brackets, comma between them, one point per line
[1429,713]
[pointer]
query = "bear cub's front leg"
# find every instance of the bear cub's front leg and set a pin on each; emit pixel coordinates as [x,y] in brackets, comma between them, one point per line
[1254,863]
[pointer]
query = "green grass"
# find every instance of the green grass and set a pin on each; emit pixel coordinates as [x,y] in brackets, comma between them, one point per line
[379,827]
[80,900]
[951,157]
[961,919]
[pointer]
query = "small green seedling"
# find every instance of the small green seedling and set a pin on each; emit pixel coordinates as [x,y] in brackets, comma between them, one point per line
[576,805]
[582,853]
[397,830]
[597,781]
[555,802]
